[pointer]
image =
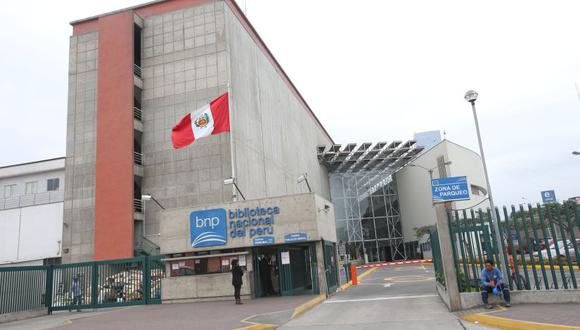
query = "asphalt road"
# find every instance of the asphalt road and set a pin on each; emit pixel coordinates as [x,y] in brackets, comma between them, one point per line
[390,297]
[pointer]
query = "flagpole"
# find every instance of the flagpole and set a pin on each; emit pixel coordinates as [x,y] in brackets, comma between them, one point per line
[232,142]
[230,110]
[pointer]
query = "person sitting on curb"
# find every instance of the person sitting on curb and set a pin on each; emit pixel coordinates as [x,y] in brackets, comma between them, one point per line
[491,279]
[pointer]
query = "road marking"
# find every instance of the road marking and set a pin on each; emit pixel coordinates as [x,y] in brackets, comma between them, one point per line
[388,285]
[378,299]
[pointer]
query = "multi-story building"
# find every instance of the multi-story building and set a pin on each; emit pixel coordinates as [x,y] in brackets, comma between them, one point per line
[31,212]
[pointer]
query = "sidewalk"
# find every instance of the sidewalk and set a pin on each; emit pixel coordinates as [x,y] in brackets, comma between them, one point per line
[528,316]
[215,315]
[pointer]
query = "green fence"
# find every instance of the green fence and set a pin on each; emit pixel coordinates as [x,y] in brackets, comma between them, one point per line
[82,285]
[436,252]
[540,246]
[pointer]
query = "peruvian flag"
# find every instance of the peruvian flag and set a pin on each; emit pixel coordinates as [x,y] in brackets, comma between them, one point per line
[212,118]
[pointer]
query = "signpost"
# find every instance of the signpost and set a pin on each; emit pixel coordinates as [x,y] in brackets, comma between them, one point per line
[549,196]
[450,189]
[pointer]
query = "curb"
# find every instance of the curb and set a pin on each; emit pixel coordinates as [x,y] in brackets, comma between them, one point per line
[307,306]
[513,324]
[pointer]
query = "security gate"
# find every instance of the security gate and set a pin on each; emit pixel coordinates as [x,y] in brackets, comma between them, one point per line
[109,283]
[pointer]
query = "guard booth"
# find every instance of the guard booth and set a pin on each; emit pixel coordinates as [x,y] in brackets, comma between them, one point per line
[285,245]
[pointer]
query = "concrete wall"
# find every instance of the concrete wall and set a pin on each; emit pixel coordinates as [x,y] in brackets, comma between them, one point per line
[298,213]
[275,136]
[202,287]
[79,205]
[31,234]
[184,67]
[414,185]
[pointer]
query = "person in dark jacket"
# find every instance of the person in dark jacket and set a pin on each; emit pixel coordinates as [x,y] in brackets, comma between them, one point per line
[237,282]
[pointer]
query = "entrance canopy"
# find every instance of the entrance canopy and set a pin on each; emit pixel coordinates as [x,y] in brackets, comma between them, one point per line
[381,156]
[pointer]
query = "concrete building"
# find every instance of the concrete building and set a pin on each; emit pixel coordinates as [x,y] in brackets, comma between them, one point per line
[445,159]
[31,212]
[133,74]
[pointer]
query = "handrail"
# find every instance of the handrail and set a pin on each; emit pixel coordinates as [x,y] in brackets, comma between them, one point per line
[32,199]
[137,70]
[138,114]
[137,205]
[138,158]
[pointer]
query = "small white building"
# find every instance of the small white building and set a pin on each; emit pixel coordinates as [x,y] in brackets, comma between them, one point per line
[31,212]
[445,159]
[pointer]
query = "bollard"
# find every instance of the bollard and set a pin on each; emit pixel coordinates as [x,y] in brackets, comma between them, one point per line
[353,275]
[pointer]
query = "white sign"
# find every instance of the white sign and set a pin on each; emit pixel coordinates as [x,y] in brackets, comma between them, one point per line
[285,258]
[242,261]
[174,266]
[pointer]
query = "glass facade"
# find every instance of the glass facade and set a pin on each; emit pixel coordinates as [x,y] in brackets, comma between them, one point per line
[368,217]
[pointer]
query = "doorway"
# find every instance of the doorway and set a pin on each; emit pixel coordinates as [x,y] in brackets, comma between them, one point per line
[285,270]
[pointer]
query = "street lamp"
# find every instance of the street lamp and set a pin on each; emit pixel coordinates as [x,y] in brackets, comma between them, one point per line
[302,178]
[471,97]
[229,181]
[151,198]
[430,170]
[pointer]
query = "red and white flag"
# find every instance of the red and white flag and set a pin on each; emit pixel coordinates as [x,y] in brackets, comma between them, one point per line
[212,118]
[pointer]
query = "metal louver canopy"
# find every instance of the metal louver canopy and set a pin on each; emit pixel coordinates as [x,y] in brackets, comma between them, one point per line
[354,157]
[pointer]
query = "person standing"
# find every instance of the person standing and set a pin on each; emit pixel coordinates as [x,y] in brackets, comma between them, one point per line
[491,279]
[237,282]
[76,291]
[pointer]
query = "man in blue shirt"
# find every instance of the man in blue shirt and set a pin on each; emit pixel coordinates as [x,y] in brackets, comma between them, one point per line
[491,278]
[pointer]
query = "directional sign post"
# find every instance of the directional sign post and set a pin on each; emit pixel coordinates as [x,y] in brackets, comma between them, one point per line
[450,189]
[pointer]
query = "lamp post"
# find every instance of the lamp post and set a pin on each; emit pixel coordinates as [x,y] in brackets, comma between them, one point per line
[151,198]
[430,170]
[229,181]
[304,177]
[471,97]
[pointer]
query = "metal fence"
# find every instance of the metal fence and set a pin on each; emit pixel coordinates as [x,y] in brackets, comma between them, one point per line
[97,284]
[540,246]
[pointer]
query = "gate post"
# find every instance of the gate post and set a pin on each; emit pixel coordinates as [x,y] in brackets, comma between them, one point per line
[447,257]
[48,290]
[146,280]
[94,284]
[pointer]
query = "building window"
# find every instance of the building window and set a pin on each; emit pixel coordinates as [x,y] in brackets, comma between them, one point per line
[52,184]
[209,265]
[9,190]
[30,188]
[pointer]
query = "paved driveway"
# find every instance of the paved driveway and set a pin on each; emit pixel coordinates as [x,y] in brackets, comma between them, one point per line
[388,298]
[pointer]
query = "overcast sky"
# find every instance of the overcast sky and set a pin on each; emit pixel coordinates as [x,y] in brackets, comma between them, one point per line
[370,70]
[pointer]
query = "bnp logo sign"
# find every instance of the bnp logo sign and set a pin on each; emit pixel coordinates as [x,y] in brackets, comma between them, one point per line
[208,228]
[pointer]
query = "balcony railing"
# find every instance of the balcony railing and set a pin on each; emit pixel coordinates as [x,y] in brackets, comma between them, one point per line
[138,158]
[137,205]
[32,199]
[137,114]
[137,70]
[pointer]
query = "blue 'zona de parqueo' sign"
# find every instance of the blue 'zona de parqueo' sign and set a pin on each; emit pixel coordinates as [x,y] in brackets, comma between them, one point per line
[450,189]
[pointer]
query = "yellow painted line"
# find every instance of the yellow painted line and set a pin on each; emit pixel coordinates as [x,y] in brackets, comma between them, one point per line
[346,285]
[259,326]
[366,273]
[256,325]
[308,306]
[513,324]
